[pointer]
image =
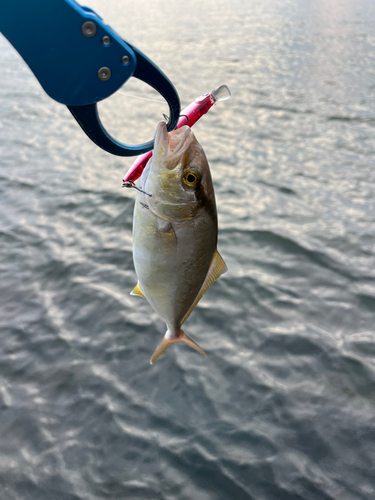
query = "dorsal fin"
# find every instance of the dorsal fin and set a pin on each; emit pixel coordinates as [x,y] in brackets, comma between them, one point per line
[216,269]
[137,291]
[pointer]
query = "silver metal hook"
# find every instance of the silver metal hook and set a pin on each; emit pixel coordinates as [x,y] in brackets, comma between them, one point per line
[130,184]
[166,117]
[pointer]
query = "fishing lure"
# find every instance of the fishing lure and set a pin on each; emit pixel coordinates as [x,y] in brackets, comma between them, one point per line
[189,116]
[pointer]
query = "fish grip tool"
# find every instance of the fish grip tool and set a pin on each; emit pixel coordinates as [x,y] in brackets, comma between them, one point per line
[79,61]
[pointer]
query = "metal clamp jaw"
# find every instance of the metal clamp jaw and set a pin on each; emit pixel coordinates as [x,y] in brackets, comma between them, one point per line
[79,61]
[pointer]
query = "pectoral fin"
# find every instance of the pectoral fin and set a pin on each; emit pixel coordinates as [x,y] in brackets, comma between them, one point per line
[167,342]
[137,291]
[216,269]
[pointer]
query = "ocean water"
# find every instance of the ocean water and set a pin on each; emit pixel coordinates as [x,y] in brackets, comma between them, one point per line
[283,406]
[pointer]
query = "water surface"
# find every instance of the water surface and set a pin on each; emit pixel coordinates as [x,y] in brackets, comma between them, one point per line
[283,406]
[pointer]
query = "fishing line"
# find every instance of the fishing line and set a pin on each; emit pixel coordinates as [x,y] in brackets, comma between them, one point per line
[142,98]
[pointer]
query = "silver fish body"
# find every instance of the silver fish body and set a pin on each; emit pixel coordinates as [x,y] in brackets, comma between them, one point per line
[175,232]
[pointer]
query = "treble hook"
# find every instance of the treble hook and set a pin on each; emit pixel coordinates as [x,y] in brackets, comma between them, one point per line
[130,184]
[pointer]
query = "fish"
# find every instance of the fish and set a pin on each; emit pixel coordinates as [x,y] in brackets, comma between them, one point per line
[175,232]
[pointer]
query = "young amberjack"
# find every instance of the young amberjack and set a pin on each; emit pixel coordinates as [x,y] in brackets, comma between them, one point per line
[175,232]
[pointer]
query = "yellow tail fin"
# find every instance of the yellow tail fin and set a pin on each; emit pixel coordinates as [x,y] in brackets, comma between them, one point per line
[167,342]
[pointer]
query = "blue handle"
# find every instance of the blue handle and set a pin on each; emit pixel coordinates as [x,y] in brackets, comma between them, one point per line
[80,61]
[88,117]
[66,57]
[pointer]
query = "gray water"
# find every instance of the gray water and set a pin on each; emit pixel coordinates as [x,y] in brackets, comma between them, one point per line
[283,406]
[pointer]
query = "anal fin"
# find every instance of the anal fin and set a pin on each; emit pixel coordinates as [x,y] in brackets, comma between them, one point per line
[137,291]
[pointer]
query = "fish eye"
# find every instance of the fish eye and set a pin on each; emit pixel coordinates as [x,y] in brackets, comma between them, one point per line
[191,177]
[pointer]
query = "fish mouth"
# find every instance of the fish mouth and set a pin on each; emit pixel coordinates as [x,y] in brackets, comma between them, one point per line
[171,147]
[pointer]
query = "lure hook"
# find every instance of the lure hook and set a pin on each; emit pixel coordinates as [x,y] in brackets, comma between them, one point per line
[130,184]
